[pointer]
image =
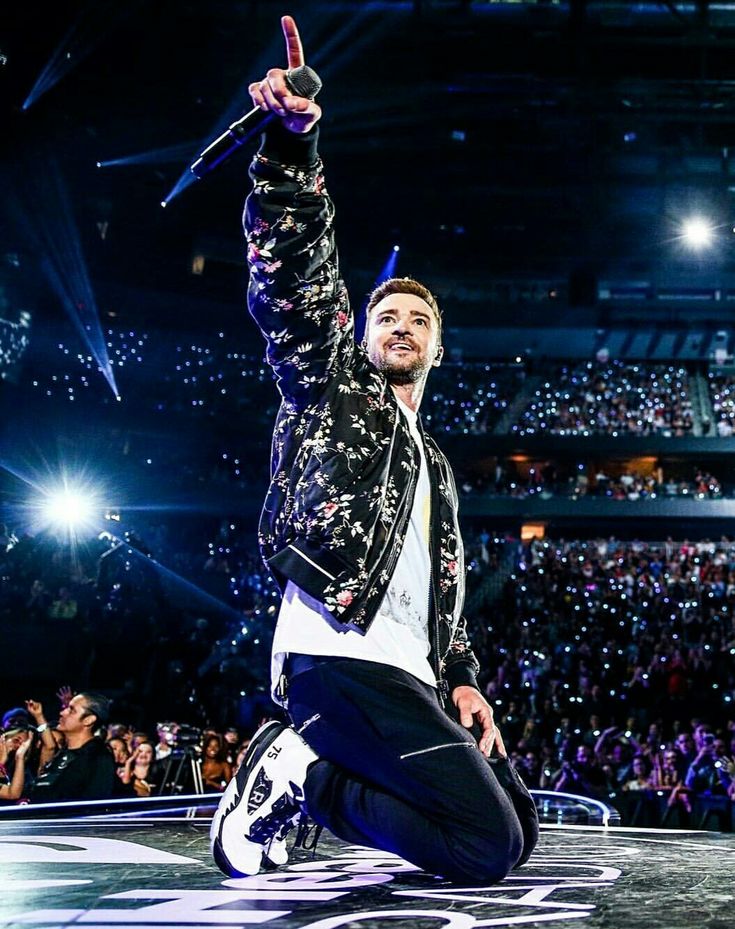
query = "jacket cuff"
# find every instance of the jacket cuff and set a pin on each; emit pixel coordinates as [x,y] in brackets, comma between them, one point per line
[289,148]
[311,566]
[461,674]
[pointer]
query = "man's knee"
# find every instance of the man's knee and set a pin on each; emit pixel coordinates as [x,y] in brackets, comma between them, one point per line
[489,858]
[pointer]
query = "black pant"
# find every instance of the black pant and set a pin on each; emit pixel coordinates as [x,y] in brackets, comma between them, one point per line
[397,774]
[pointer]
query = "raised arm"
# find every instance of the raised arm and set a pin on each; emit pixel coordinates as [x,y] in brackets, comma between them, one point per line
[48,744]
[295,293]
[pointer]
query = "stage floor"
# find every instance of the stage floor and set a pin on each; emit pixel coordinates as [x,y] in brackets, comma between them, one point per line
[154,871]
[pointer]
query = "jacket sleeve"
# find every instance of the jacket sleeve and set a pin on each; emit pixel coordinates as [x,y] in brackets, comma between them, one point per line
[295,293]
[461,665]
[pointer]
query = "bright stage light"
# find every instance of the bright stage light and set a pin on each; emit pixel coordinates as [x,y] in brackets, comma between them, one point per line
[68,509]
[697,232]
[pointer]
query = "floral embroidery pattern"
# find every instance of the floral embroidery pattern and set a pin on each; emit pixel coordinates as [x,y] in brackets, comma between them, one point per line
[344,464]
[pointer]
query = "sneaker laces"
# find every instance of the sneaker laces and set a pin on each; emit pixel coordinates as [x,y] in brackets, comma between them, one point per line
[307,834]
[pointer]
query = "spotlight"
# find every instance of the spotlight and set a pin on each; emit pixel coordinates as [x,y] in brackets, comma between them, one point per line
[389,268]
[697,232]
[71,506]
[68,509]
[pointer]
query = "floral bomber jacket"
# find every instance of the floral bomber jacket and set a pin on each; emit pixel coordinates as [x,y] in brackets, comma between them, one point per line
[344,466]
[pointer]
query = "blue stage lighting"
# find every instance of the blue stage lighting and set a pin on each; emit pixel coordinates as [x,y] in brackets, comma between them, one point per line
[389,268]
[92,26]
[54,234]
[170,154]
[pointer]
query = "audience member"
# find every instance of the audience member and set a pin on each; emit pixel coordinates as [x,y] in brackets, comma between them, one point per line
[216,770]
[15,743]
[84,769]
[140,770]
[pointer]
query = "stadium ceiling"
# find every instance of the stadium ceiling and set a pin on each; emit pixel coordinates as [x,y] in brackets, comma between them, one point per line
[517,140]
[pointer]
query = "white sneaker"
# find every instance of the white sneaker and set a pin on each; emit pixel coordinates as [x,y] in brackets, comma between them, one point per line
[262,802]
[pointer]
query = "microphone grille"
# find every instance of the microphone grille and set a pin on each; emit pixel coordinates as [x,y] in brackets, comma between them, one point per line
[304,82]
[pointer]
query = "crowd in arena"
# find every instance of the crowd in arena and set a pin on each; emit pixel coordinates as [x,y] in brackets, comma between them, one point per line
[609,664]
[613,398]
[546,479]
[605,656]
[205,376]
[722,394]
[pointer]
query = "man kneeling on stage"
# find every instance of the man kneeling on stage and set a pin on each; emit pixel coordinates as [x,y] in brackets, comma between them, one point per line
[370,656]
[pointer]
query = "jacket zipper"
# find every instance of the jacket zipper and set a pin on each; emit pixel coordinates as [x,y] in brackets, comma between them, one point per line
[390,554]
[442,685]
[390,546]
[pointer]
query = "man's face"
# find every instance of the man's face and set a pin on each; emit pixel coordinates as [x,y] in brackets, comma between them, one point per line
[403,338]
[75,718]
[699,734]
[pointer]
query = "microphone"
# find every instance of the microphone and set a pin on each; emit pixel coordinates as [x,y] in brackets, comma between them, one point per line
[302,82]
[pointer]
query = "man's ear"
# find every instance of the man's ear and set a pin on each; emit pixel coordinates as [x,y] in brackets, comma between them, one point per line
[92,724]
[438,357]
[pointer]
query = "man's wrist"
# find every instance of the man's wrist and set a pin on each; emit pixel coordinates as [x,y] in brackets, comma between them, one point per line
[289,148]
[42,727]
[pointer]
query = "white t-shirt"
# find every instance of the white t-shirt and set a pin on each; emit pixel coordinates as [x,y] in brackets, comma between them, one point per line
[399,634]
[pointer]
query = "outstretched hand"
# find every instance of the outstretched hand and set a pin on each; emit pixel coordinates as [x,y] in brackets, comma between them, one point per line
[273,95]
[65,694]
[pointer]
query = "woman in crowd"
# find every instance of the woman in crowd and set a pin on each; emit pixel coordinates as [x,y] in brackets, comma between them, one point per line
[17,744]
[140,771]
[641,779]
[216,770]
[668,782]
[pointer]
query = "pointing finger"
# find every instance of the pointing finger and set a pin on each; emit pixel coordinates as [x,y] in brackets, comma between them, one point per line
[294,50]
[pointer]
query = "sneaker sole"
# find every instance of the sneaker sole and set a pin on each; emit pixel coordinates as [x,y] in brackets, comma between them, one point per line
[232,796]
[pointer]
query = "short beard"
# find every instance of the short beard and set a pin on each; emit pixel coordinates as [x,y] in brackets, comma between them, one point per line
[402,377]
